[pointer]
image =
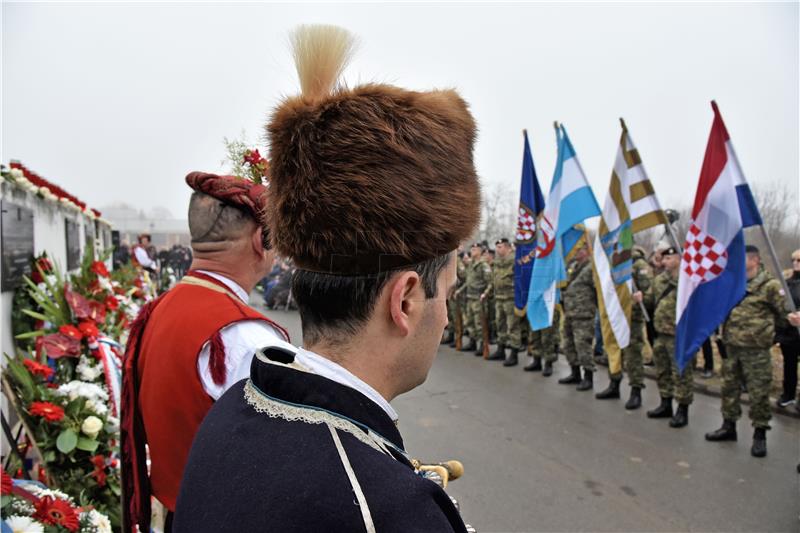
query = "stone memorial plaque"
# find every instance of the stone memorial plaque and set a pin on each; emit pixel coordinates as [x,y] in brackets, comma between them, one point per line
[16,229]
[73,244]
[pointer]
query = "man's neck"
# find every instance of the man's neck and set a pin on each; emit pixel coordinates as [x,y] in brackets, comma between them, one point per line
[351,358]
[245,282]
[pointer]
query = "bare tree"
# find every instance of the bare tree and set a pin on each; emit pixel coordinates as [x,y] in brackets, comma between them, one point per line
[498,213]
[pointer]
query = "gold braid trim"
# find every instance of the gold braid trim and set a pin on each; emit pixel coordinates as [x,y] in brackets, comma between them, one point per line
[191,280]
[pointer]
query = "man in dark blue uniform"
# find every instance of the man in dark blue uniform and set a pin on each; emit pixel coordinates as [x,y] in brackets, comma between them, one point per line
[371,191]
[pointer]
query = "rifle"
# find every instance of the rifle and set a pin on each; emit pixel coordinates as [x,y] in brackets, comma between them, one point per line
[485,328]
[459,325]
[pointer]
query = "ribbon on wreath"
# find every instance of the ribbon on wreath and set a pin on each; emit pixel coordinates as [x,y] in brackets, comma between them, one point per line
[107,351]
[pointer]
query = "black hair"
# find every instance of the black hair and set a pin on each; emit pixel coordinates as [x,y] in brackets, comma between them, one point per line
[335,307]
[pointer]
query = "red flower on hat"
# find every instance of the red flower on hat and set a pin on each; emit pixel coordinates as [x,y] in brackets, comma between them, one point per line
[38,369]
[58,345]
[71,331]
[78,304]
[89,328]
[252,157]
[99,268]
[47,410]
[56,512]
[111,303]
[7,484]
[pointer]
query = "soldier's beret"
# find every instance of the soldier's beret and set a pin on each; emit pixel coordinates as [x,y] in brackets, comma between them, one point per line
[502,241]
[751,249]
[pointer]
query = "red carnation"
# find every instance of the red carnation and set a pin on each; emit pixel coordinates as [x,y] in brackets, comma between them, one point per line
[55,512]
[111,303]
[253,157]
[38,369]
[71,331]
[47,410]
[58,345]
[7,484]
[99,268]
[89,328]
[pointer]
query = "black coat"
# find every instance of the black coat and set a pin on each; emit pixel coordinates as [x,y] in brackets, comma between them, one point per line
[253,471]
[788,334]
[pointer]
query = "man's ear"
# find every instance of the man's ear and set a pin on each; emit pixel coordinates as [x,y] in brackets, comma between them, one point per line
[406,300]
[256,242]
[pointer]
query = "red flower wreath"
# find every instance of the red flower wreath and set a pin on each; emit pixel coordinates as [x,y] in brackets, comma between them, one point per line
[56,512]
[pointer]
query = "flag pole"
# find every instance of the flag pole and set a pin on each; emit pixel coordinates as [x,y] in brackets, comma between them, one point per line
[773,256]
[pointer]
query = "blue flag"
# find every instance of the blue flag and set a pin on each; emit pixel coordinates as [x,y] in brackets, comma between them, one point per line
[531,205]
[571,201]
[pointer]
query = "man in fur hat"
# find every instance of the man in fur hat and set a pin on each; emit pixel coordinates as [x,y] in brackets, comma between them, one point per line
[191,344]
[372,188]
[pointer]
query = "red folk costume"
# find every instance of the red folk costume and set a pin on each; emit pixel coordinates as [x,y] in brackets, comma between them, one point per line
[164,396]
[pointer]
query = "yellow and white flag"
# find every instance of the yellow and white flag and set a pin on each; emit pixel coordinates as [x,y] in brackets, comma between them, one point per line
[631,206]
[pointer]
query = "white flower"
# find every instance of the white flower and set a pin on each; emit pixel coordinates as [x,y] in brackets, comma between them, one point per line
[91,426]
[24,524]
[97,407]
[88,371]
[112,424]
[43,492]
[16,173]
[97,520]
[76,388]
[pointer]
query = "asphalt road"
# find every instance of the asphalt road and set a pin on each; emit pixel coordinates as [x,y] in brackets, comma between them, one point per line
[539,456]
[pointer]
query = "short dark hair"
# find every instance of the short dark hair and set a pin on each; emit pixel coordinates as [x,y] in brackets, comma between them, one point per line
[752,249]
[211,220]
[335,307]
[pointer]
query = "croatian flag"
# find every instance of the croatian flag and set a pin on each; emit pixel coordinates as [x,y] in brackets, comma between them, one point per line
[571,201]
[531,205]
[712,273]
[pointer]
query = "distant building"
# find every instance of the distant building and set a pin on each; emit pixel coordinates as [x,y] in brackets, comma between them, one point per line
[158,222]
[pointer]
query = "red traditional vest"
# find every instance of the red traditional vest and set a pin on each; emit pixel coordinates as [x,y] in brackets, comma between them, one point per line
[168,398]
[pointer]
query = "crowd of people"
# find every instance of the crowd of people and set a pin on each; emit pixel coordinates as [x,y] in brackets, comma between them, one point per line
[482,311]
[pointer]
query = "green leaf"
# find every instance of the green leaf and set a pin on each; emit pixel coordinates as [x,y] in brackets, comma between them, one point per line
[20,375]
[34,314]
[67,440]
[86,444]
[5,500]
[75,406]
[30,335]
[49,456]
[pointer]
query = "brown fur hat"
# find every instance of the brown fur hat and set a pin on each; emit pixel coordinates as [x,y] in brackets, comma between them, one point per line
[367,179]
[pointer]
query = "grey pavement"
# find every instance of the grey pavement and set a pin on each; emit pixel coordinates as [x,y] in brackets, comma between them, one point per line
[539,456]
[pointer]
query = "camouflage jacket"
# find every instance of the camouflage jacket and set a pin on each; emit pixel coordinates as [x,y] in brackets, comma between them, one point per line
[751,324]
[478,276]
[501,285]
[579,298]
[662,297]
[643,279]
[461,277]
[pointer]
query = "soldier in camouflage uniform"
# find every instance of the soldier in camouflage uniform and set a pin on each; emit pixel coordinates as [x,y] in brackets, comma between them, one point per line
[542,345]
[663,297]
[748,335]
[507,324]
[632,361]
[488,302]
[477,277]
[455,303]
[580,305]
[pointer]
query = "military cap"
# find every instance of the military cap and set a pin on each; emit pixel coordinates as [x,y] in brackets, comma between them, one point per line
[670,251]
[502,241]
[752,249]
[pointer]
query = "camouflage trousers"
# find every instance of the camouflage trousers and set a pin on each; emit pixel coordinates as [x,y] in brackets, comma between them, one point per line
[670,383]
[632,359]
[453,309]
[754,367]
[576,340]
[472,318]
[508,324]
[542,343]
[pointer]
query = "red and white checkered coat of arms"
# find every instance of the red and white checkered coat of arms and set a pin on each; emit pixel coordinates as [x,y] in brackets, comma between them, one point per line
[704,258]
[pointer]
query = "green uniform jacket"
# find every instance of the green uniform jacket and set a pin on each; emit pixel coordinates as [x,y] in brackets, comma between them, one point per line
[502,282]
[580,298]
[643,279]
[663,297]
[751,324]
[479,274]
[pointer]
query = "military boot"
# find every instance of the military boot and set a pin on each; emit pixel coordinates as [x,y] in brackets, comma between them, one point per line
[548,369]
[470,346]
[448,338]
[535,366]
[611,392]
[635,401]
[726,432]
[587,383]
[662,411]
[511,360]
[759,448]
[681,417]
[574,377]
[499,353]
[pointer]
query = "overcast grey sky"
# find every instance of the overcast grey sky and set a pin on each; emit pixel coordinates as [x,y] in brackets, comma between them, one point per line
[117,102]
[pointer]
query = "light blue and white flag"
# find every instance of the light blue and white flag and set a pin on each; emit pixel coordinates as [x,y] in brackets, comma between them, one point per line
[571,201]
